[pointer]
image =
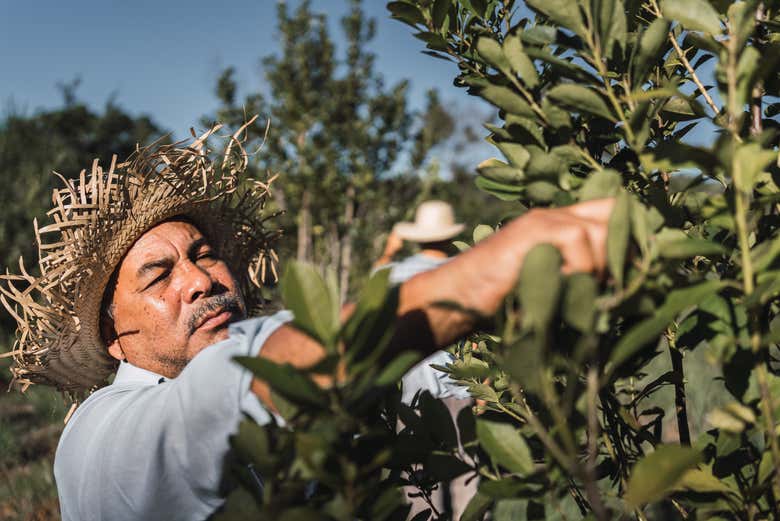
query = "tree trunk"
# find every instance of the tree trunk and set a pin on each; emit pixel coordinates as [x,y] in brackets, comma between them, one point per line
[304,227]
[334,246]
[346,244]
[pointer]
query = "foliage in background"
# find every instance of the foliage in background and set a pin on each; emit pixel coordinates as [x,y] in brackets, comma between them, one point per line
[595,99]
[338,138]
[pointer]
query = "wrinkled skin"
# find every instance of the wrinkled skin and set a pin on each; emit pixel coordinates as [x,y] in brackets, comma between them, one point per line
[173,297]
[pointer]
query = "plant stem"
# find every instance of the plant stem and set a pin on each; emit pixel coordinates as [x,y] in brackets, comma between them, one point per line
[598,63]
[679,389]
[544,436]
[591,489]
[741,208]
[687,64]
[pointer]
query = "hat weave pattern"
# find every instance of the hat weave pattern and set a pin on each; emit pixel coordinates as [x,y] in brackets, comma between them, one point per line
[95,220]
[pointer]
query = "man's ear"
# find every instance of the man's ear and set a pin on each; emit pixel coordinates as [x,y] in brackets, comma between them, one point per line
[115,350]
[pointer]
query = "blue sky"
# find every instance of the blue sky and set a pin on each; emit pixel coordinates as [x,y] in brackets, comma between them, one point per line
[163,57]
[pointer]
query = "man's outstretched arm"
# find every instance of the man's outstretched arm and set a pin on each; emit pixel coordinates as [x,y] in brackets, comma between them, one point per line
[476,281]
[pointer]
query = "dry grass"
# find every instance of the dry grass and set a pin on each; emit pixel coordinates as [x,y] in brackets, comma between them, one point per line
[30,426]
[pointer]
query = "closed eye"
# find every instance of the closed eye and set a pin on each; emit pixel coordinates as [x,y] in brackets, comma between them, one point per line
[159,278]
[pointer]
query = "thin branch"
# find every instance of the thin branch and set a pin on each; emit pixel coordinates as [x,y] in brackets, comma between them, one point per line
[679,389]
[591,488]
[687,64]
[694,77]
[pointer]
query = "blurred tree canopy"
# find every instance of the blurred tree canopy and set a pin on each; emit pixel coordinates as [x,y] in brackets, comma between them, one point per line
[353,156]
[64,139]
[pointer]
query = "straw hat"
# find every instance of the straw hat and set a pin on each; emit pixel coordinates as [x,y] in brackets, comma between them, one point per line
[95,219]
[433,221]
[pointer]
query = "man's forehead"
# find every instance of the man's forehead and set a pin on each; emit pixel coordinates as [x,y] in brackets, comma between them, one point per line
[164,239]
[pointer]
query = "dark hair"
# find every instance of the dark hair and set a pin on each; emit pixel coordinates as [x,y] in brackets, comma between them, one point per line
[107,332]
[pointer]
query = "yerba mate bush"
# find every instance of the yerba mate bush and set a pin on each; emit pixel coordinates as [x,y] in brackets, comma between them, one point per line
[649,393]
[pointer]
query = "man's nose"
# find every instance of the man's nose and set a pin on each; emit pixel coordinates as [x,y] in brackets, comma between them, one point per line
[198,282]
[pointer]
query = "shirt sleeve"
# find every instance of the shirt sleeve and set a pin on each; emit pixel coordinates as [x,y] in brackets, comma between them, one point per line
[423,377]
[209,399]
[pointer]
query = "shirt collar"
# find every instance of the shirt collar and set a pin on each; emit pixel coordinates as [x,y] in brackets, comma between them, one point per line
[128,373]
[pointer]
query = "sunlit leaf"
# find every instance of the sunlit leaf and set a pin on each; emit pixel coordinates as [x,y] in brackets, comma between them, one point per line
[505,446]
[659,472]
[693,14]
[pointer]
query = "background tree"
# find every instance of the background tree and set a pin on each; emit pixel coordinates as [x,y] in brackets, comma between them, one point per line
[338,136]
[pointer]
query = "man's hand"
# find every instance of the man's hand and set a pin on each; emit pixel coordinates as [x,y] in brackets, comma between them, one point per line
[392,247]
[476,281]
[479,279]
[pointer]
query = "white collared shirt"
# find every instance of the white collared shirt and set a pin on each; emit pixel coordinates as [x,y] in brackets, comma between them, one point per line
[146,447]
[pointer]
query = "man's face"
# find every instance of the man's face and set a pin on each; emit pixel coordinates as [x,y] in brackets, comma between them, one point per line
[173,297]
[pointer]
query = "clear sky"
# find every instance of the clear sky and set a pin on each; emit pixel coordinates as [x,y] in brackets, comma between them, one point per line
[163,57]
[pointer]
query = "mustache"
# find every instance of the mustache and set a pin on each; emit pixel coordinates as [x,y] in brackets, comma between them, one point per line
[225,302]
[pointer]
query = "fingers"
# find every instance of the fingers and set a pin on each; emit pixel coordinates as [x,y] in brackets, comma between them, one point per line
[597,210]
[578,252]
[580,234]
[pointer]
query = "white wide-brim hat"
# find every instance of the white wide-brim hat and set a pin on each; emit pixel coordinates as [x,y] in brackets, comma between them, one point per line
[434,221]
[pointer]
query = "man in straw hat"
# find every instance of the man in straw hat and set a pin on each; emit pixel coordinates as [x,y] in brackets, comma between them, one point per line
[146,272]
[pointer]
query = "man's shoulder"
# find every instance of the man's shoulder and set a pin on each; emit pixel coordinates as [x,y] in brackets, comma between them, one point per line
[251,326]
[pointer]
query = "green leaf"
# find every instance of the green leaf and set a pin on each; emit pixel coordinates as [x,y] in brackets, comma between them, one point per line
[314,303]
[440,10]
[600,184]
[519,61]
[698,15]
[369,329]
[477,507]
[582,99]
[524,362]
[395,370]
[471,367]
[407,13]
[516,154]
[651,328]
[704,482]
[286,380]
[579,301]
[527,128]
[445,467]
[507,99]
[562,12]
[655,475]
[541,191]
[678,108]
[540,284]
[618,233]
[750,160]
[562,66]
[252,444]
[482,231]
[669,156]
[503,191]
[611,19]
[649,50]
[505,446]
[491,51]
[764,254]
[500,172]
[689,247]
